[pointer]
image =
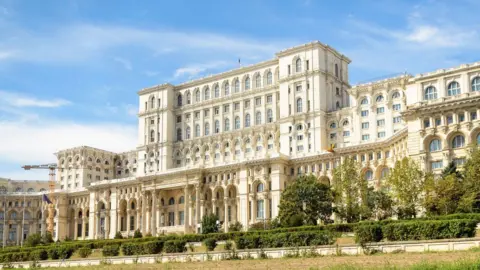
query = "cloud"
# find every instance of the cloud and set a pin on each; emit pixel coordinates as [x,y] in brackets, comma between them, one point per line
[18,100]
[194,70]
[125,63]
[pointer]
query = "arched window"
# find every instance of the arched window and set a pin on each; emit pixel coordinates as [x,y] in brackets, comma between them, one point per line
[369,175]
[337,105]
[478,143]
[189,98]
[298,65]
[395,95]
[171,201]
[258,81]
[197,96]
[260,187]
[379,98]
[179,100]
[181,200]
[333,125]
[269,78]
[299,105]
[152,135]
[453,89]
[152,103]
[132,206]
[207,129]
[179,134]
[197,130]
[430,93]
[476,84]
[336,70]
[247,83]
[237,122]
[13,215]
[435,145]
[384,173]
[217,91]
[41,190]
[247,120]
[258,118]
[458,141]
[217,126]
[206,94]
[187,133]
[345,123]
[227,124]
[226,89]
[237,86]
[364,101]
[269,116]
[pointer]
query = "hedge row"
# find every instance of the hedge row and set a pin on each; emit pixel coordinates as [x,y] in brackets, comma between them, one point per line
[53,252]
[286,239]
[142,248]
[416,230]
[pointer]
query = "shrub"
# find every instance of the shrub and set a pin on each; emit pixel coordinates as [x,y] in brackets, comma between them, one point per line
[368,233]
[84,252]
[210,243]
[33,240]
[209,224]
[235,227]
[228,245]
[111,250]
[118,235]
[65,252]
[175,246]
[47,238]
[153,247]
[287,239]
[53,253]
[137,234]
[39,255]
[129,249]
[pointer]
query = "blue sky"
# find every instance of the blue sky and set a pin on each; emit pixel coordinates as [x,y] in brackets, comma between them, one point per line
[70,69]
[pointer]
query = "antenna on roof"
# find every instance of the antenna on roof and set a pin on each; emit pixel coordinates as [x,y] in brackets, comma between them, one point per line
[239,64]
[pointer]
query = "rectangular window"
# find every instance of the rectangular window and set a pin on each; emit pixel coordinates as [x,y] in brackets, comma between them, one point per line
[236,106]
[437,165]
[438,121]
[365,137]
[365,125]
[333,136]
[300,148]
[461,117]
[426,123]
[269,99]
[379,155]
[181,217]
[381,134]
[299,88]
[299,137]
[346,133]
[380,110]
[226,108]
[396,107]
[397,119]
[307,64]
[449,119]
[381,122]
[171,218]
[216,110]
[132,223]
[364,113]
[473,115]
[247,104]
[179,118]
[258,101]
[459,161]
[260,212]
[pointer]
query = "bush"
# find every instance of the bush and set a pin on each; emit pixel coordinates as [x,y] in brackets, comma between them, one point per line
[153,247]
[84,252]
[209,224]
[287,239]
[65,252]
[235,227]
[175,246]
[118,235]
[47,238]
[129,249]
[33,240]
[53,253]
[39,255]
[137,234]
[111,250]
[210,243]
[368,233]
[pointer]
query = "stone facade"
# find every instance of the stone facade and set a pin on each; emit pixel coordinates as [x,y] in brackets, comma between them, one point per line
[230,143]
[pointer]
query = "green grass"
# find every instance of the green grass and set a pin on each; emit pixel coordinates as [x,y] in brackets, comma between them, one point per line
[456,265]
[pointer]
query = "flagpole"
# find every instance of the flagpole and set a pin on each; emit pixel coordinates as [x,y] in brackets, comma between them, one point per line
[23,217]
[4,239]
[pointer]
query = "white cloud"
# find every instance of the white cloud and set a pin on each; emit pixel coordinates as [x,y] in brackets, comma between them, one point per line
[124,62]
[194,70]
[19,100]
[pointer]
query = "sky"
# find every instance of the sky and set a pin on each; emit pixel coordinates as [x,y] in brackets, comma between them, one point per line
[70,69]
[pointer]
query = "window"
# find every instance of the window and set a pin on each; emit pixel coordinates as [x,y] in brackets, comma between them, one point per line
[380,98]
[247,83]
[258,118]
[269,99]
[333,136]
[459,161]
[396,107]
[237,122]
[258,81]
[365,137]
[299,137]
[226,108]
[333,125]
[461,117]
[197,130]
[299,105]
[453,89]
[345,123]
[216,111]
[298,65]
[247,104]
[426,123]
[395,95]
[473,115]
[364,101]
[197,96]
[217,91]
[181,218]
[458,141]
[269,78]
[437,164]
[449,119]
[346,133]
[189,98]
[478,139]
[476,84]
[260,187]
[397,119]
[236,106]
[430,93]
[207,129]
[206,94]
[227,125]
[247,120]
[179,134]
[380,110]
[365,125]
[369,175]
[206,113]
[381,134]
[258,101]
[260,214]
[269,116]
[217,126]
[381,122]
[300,148]
[236,87]
[298,88]
[438,121]
[364,113]
[226,89]
[187,133]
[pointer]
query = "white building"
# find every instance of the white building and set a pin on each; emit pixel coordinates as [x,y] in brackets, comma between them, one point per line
[231,142]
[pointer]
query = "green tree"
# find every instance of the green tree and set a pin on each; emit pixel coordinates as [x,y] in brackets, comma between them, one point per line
[470,200]
[451,169]
[47,238]
[380,204]
[306,200]
[406,181]
[442,196]
[350,191]
[33,240]
[210,224]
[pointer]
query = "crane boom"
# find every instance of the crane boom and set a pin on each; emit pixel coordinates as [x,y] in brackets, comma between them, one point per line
[51,184]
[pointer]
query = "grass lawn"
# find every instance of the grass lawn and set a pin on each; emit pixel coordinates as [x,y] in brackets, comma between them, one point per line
[430,260]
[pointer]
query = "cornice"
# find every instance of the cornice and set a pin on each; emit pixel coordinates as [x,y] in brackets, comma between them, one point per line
[426,107]
[312,45]
[443,72]
[151,89]
[399,81]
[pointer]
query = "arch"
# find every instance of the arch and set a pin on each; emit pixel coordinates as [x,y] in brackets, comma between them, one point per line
[395,95]
[171,201]
[188,97]
[237,122]
[236,86]
[476,83]
[258,118]
[207,129]
[435,145]
[31,190]
[298,65]
[216,91]
[197,95]
[218,192]
[217,127]
[430,93]
[258,81]
[226,126]
[453,89]
[333,125]
[269,116]
[179,100]
[187,133]
[368,174]
[364,101]
[41,190]
[226,89]
[197,130]
[206,93]
[181,200]
[345,123]
[458,141]
[247,83]
[259,187]
[231,191]
[18,189]
[269,78]
[379,98]
[247,120]
[384,172]
[299,105]
[324,180]
[152,102]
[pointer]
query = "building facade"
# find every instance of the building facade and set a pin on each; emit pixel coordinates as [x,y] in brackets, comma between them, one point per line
[230,143]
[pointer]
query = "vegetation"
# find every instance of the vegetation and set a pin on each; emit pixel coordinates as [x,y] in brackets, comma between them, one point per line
[137,234]
[210,243]
[84,252]
[210,224]
[235,227]
[118,235]
[111,250]
[304,202]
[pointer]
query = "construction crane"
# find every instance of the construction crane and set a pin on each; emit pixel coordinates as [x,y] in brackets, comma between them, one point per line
[51,184]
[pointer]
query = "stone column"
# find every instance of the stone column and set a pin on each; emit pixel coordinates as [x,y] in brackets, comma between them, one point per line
[153,218]
[197,206]
[91,221]
[84,223]
[138,217]
[119,221]
[107,226]
[142,221]
[113,227]
[127,222]
[75,228]
[225,210]
[186,209]
[266,205]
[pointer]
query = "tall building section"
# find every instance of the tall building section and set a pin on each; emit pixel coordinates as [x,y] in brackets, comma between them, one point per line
[230,143]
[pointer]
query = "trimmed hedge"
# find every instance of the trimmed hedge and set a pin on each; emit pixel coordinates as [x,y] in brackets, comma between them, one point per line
[84,252]
[111,250]
[368,233]
[175,246]
[210,243]
[287,239]
[152,247]
[39,255]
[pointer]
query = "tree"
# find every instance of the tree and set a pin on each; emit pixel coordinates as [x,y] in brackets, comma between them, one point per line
[406,181]
[470,200]
[305,200]
[47,238]
[350,191]
[210,224]
[380,204]
[137,234]
[33,240]
[118,235]
[442,196]
[451,169]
